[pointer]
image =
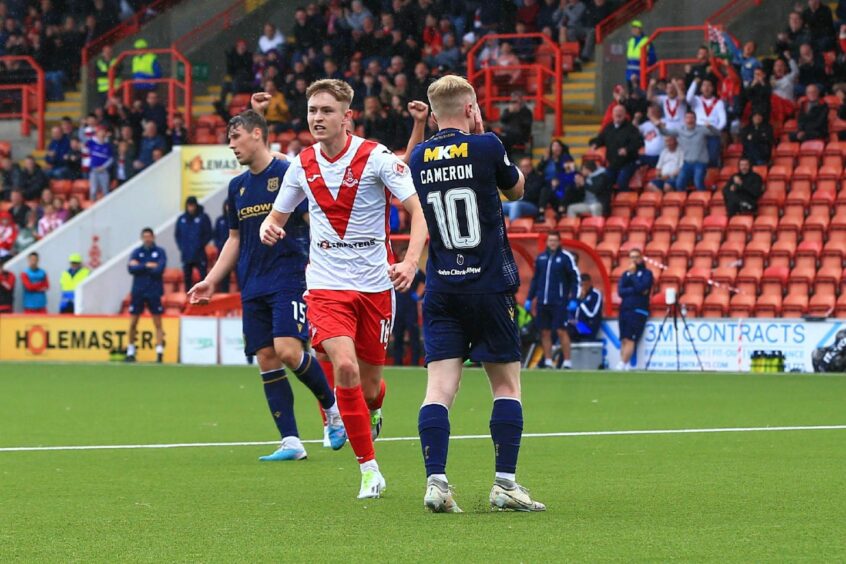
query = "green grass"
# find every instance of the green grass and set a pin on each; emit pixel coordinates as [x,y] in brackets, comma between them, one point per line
[757,496]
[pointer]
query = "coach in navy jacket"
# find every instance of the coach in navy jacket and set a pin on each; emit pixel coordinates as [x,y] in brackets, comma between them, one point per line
[193,233]
[635,287]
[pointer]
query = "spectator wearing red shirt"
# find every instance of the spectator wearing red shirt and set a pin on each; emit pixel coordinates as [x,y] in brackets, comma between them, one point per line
[8,234]
[7,287]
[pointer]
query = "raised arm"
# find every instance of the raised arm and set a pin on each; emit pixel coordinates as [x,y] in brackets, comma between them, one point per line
[420,112]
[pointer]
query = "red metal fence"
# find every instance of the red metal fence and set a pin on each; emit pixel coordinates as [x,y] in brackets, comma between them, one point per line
[32,98]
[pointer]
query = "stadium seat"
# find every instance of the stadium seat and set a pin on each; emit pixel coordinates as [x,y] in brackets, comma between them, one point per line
[522,225]
[692,302]
[739,228]
[774,280]
[782,251]
[80,187]
[636,240]
[822,201]
[697,203]
[714,226]
[545,226]
[821,305]
[724,275]
[779,174]
[741,305]
[623,204]
[807,253]
[657,249]
[716,303]
[748,279]
[730,252]
[665,224]
[812,150]
[827,280]
[673,201]
[615,229]
[568,227]
[608,250]
[696,280]
[172,277]
[705,252]
[640,224]
[649,204]
[691,225]
[680,253]
[768,305]
[840,306]
[733,151]
[765,223]
[787,150]
[726,172]
[658,304]
[174,300]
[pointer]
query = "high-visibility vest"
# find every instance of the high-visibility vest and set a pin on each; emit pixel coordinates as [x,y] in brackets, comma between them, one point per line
[68,282]
[633,49]
[103,75]
[143,65]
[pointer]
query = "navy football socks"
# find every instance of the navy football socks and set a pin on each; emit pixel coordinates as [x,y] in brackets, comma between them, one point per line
[506,431]
[311,374]
[433,426]
[280,400]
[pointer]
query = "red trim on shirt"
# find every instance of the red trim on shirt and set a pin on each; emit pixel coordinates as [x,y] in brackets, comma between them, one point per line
[339,155]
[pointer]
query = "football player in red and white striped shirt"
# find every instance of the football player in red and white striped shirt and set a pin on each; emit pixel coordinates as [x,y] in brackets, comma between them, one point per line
[349,182]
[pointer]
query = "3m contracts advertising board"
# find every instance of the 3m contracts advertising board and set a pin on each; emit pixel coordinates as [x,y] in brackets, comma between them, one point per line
[81,337]
[725,344]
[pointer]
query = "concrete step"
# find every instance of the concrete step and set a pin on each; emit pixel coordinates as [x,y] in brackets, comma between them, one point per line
[581,76]
[585,97]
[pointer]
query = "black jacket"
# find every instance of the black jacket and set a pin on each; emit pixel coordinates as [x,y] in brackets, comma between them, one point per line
[757,140]
[614,138]
[536,190]
[749,190]
[813,121]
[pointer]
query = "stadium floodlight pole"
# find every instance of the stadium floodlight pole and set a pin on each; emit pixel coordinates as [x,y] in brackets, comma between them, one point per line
[675,311]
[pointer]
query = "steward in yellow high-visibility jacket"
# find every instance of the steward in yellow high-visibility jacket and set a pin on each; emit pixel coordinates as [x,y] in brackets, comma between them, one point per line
[71,278]
[634,46]
[145,65]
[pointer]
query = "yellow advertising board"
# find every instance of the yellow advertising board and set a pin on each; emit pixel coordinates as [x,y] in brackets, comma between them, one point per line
[205,168]
[89,338]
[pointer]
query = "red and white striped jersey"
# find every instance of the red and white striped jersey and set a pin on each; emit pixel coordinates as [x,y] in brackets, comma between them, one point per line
[349,209]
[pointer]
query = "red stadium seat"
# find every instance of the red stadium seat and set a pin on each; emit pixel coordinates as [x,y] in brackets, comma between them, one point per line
[807,253]
[648,204]
[692,302]
[716,303]
[724,275]
[801,279]
[568,227]
[748,279]
[739,228]
[696,280]
[522,225]
[840,306]
[821,305]
[768,305]
[623,204]
[657,249]
[741,305]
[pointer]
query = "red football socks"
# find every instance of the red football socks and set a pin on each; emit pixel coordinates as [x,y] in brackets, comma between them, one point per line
[356,418]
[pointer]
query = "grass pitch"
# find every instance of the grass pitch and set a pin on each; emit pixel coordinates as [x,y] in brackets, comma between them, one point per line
[739,496]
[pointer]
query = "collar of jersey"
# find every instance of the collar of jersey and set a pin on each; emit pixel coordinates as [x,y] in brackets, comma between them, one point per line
[265,169]
[341,154]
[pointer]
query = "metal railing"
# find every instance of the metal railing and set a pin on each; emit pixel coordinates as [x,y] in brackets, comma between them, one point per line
[217,23]
[620,17]
[731,10]
[32,101]
[662,65]
[174,86]
[492,89]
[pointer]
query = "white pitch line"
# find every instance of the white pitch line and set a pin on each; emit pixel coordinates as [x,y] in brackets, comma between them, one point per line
[454,437]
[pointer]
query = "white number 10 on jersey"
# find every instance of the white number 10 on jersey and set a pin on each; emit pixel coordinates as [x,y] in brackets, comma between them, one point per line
[445,207]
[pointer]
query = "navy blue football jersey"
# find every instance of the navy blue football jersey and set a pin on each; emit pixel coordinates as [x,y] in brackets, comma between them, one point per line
[456,176]
[264,270]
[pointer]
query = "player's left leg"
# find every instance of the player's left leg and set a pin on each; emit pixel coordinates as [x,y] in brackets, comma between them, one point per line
[506,431]
[280,400]
[136,311]
[566,347]
[157,323]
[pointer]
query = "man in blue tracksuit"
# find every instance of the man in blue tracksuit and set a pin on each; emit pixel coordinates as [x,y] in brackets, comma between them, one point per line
[193,232]
[585,325]
[146,265]
[556,287]
[634,289]
[221,234]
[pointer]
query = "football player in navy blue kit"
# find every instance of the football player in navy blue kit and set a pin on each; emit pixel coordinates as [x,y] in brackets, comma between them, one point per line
[468,307]
[272,283]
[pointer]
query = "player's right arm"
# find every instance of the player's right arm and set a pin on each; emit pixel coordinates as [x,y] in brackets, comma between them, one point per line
[203,290]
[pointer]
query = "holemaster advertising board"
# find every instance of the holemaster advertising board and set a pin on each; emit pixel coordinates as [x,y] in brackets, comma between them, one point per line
[82,337]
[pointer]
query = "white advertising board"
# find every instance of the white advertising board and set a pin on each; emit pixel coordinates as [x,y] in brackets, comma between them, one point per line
[198,342]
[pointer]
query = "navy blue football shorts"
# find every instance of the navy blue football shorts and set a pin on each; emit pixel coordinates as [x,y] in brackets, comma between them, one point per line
[281,314]
[152,303]
[481,327]
[632,323]
[551,317]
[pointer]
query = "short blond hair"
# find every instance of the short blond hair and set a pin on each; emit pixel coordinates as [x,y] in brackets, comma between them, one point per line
[338,89]
[449,94]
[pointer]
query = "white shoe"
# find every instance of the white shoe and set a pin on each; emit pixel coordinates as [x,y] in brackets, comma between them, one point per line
[621,366]
[372,485]
[326,443]
[511,496]
[438,498]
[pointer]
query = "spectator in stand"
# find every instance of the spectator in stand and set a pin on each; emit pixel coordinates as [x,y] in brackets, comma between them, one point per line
[239,73]
[595,12]
[376,123]
[507,58]
[123,169]
[59,206]
[46,199]
[622,142]
[70,279]
[49,222]
[73,159]
[28,234]
[818,17]
[102,158]
[294,148]
[193,233]
[32,180]
[593,192]
[811,70]
[104,62]
[813,118]
[558,173]
[795,35]
[35,283]
[758,140]
[18,208]
[305,35]
[585,325]
[221,235]
[555,284]
[653,141]
[710,112]
[272,38]
[7,287]
[277,114]
[673,106]
[702,69]
[757,95]
[743,189]
[634,288]
[636,43]
[669,166]
[516,123]
[535,196]
[145,67]
[746,60]
[449,56]
[693,142]
[10,177]
[569,18]
[149,143]
[8,233]
[356,14]
[74,208]
[56,151]
[154,111]
[177,133]
[418,86]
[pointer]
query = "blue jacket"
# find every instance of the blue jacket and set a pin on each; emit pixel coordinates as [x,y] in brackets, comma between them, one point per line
[148,145]
[35,285]
[556,280]
[221,232]
[147,281]
[60,148]
[193,232]
[635,289]
[590,312]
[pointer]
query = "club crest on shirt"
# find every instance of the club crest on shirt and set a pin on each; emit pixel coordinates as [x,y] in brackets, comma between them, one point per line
[241,191]
[273,184]
[400,168]
[349,179]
